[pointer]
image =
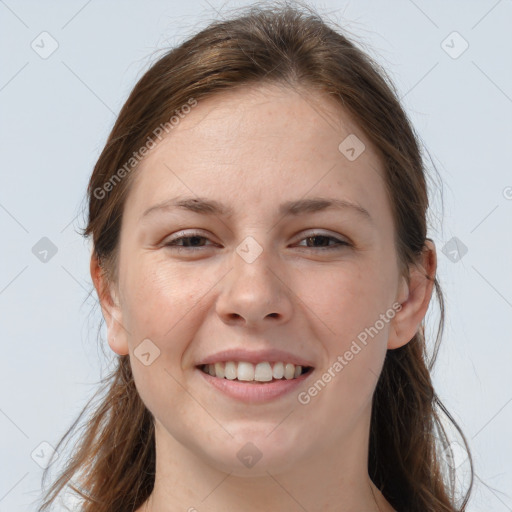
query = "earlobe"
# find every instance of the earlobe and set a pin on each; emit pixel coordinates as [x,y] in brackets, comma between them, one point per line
[416,299]
[116,334]
[118,347]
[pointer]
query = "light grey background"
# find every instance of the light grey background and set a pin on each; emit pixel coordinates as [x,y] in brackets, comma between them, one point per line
[56,113]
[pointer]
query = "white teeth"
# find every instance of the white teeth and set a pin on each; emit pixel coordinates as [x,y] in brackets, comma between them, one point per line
[230,370]
[245,371]
[261,372]
[289,371]
[278,372]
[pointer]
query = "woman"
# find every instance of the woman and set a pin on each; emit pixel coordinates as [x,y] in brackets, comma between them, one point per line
[258,218]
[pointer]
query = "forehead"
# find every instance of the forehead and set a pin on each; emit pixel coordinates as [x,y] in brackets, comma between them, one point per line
[261,145]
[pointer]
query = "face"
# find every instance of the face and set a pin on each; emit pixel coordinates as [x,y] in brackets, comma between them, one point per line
[260,276]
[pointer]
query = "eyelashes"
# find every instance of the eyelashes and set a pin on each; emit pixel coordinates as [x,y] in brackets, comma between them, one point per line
[311,238]
[338,242]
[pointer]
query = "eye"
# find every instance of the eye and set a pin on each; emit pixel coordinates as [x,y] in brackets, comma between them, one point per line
[322,238]
[191,241]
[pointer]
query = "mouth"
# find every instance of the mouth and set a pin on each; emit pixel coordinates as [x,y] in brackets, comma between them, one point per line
[254,384]
[260,373]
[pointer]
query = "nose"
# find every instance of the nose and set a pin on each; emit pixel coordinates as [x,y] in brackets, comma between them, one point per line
[255,294]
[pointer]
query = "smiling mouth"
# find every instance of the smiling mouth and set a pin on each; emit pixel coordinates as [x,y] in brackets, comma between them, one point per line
[261,373]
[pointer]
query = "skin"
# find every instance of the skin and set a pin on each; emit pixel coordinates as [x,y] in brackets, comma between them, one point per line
[252,149]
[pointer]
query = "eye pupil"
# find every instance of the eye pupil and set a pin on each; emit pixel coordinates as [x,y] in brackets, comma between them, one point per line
[196,238]
[325,238]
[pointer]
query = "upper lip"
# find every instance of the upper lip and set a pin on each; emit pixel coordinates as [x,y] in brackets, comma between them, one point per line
[255,357]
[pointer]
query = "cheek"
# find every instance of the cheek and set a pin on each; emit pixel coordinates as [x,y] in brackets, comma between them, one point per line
[345,299]
[162,304]
[352,321]
[161,308]
[161,293]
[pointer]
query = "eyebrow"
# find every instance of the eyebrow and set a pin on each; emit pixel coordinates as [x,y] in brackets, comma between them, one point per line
[290,208]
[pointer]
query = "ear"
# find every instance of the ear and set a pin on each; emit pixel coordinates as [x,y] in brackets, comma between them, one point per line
[414,296]
[110,308]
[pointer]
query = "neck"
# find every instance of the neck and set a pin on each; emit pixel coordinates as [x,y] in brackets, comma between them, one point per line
[325,481]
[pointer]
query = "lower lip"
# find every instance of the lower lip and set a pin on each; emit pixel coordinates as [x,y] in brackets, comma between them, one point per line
[255,393]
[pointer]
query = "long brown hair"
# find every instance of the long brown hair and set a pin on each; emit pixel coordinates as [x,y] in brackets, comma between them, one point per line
[112,466]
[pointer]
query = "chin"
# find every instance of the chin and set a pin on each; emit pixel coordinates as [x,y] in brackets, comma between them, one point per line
[255,456]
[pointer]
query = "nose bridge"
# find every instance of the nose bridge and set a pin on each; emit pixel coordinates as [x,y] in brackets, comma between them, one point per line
[252,291]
